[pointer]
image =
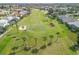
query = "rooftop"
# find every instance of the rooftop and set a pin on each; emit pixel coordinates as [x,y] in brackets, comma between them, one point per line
[66,18]
[76,23]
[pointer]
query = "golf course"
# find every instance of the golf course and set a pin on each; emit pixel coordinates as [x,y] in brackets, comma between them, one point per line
[48,36]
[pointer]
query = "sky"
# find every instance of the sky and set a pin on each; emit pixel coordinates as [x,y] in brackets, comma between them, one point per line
[39,1]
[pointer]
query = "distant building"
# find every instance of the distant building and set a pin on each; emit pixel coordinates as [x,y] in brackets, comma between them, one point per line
[74,26]
[66,19]
[72,23]
[4,12]
[12,19]
[4,23]
[20,13]
[23,12]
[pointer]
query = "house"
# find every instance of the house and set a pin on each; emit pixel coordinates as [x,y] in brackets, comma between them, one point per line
[12,19]
[66,19]
[17,18]
[15,13]
[74,26]
[2,13]
[23,13]
[4,23]
[70,22]
[20,13]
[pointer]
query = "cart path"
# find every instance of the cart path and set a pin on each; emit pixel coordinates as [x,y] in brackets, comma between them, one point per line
[5,32]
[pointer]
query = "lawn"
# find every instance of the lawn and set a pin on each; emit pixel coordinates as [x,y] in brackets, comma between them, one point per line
[38,27]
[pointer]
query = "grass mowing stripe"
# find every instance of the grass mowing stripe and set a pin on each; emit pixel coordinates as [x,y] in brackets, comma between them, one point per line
[4,43]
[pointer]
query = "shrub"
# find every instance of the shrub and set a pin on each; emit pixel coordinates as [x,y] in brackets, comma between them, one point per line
[58,33]
[51,24]
[74,48]
[51,36]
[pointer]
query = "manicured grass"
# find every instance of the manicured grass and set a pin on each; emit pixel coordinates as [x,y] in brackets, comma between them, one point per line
[38,27]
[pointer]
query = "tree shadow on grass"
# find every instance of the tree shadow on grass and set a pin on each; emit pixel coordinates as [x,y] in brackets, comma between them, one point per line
[43,47]
[14,48]
[49,44]
[35,51]
[12,53]
[27,48]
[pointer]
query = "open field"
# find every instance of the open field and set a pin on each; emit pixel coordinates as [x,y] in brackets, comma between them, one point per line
[38,27]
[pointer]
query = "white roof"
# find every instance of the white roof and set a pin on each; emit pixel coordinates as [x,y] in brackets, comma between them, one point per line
[76,23]
[10,17]
[17,17]
[4,22]
[23,12]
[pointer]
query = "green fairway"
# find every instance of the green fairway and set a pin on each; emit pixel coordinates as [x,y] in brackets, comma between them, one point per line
[38,26]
